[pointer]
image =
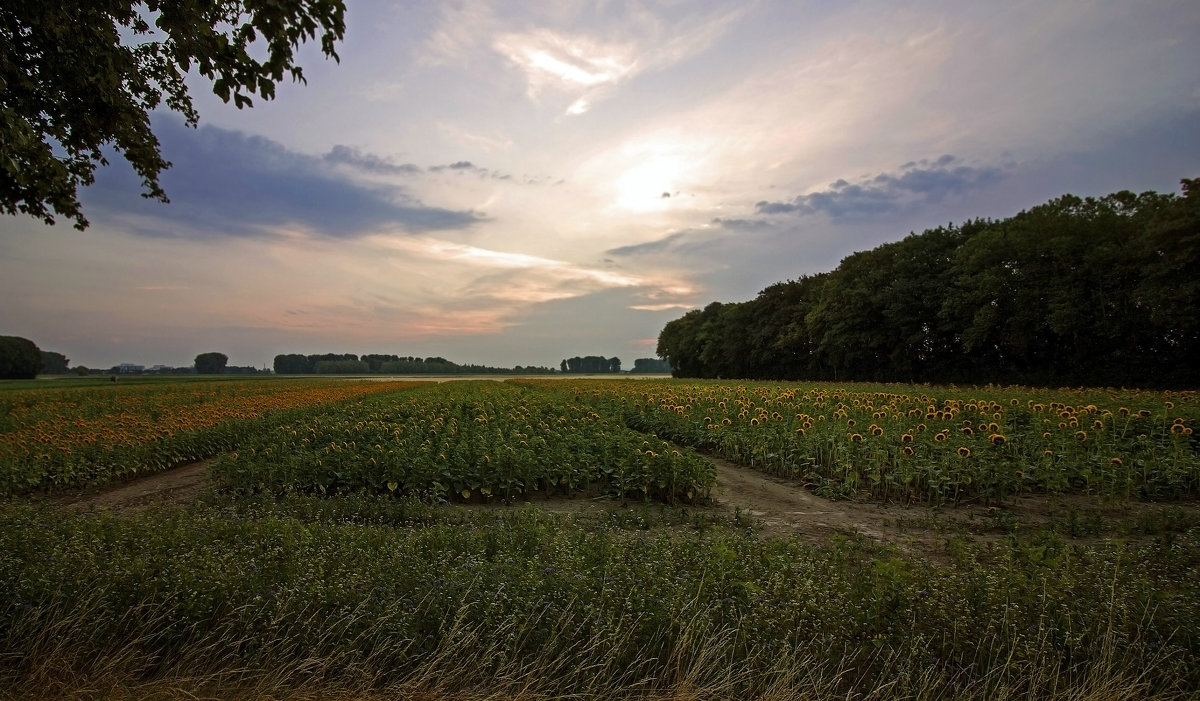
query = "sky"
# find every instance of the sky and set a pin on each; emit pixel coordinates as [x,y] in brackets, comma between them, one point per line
[508,183]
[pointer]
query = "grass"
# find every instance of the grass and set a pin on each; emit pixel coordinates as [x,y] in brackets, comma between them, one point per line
[297,597]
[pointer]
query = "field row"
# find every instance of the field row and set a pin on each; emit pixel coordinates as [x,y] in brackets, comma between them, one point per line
[465,440]
[52,438]
[476,440]
[918,445]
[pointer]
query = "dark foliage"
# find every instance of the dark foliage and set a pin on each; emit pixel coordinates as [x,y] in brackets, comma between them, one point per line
[1078,291]
[591,364]
[20,358]
[54,363]
[211,363]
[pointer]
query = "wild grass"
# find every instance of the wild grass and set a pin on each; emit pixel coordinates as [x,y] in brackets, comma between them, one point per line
[307,598]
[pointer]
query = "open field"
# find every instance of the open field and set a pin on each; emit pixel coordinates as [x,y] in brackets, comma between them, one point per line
[541,539]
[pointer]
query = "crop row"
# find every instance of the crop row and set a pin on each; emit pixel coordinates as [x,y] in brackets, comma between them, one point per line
[465,440]
[92,435]
[914,444]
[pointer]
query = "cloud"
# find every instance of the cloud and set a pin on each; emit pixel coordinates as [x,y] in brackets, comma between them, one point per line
[369,162]
[658,246]
[565,61]
[916,183]
[469,167]
[228,183]
[742,224]
[504,280]
[576,53]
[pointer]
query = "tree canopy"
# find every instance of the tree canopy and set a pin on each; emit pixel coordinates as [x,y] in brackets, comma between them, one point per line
[80,75]
[20,358]
[54,363]
[211,363]
[1078,291]
[591,364]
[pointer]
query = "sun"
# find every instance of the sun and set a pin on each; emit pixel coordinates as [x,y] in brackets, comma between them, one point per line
[650,184]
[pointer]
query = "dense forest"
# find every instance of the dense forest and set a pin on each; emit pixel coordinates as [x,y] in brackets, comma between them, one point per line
[1078,291]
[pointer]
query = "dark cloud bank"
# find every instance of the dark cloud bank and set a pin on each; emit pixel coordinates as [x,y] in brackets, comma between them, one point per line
[228,183]
[916,183]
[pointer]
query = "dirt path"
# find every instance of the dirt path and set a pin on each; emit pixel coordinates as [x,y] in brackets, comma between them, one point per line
[179,485]
[775,507]
[783,508]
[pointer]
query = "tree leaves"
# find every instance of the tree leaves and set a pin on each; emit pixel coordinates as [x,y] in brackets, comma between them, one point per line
[78,76]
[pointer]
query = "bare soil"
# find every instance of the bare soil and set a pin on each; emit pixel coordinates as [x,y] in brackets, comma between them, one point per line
[180,485]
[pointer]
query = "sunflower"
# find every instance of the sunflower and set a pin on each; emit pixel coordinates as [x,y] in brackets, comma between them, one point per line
[964,452]
[1081,436]
[997,439]
[907,450]
[855,437]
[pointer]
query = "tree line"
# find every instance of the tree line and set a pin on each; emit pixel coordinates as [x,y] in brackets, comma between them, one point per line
[1078,291]
[386,364]
[590,364]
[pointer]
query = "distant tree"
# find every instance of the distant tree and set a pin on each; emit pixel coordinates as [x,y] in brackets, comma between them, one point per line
[375,360]
[20,358]
[292,364]
[211,363]
[650,365]
[342,367]
[614,364]
[81,370]
[563,365]
[54,363]
[79,75]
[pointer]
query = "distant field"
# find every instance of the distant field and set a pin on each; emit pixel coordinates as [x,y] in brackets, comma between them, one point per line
[88,432]
[503,378]
[595,537]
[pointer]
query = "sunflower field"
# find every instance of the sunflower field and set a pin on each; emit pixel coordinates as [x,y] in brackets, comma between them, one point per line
[921,444]
[466,441]
[85,436]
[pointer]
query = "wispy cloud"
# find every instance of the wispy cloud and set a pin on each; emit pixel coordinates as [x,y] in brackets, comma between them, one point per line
[518,278]
[554,55]
[565,61]
[914,184]
[469,167]
[657,246]
[356,158]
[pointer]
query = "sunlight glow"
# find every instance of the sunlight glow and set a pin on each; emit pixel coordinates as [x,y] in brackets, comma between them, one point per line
[650,184]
